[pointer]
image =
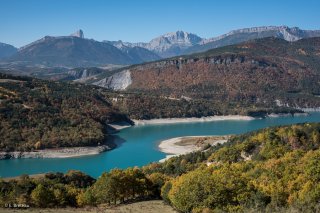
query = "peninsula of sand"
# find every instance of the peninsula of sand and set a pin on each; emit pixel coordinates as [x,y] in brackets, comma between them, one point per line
[183,145]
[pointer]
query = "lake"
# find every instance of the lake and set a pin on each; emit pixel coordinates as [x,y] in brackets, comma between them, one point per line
[137,146]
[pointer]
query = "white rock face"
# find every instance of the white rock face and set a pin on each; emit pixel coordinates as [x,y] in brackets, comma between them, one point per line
[119,44]
[288,36]
[159,45]
[179,38]
[84,74]
[118,81]
[285,32]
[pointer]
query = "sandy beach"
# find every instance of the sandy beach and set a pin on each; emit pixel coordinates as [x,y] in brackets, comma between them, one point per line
[183,145]
[189,120]
[219,118]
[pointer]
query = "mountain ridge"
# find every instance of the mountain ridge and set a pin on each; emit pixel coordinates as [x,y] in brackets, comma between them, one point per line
[257,74]
[246,34]
[76,51]
[7,50]
[166,45]
[182,42]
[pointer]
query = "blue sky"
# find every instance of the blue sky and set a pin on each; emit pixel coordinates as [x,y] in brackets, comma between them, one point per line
[23,21]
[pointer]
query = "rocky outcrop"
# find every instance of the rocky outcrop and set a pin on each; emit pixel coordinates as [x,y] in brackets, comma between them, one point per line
[180,40]
[225,60]
[82,73]
[167,45]
[118,81]
[78,34]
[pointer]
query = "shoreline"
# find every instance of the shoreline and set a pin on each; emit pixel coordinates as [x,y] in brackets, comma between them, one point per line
[277,115]
[192,119]
[217,118]
[117,126]
[312,109]
[183,145]
[56,153]
[35,176]
[62,152]
[69,152]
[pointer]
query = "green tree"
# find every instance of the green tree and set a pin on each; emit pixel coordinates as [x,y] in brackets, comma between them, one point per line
[42,196]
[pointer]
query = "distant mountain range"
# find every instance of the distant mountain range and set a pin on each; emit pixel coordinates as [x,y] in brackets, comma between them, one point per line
[246,34]
[180,42]
[77,51]
[167,45]
[254,77]
[7,50]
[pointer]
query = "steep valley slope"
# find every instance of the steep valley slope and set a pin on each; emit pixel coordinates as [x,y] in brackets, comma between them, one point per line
[261,74]
[37,114]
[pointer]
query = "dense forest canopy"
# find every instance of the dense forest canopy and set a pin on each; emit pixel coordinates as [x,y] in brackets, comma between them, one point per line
[37,114]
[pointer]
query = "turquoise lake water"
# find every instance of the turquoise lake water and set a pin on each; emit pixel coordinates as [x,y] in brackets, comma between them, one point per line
[137,146]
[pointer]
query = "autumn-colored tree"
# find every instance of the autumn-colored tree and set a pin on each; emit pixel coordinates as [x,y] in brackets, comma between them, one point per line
[42,196]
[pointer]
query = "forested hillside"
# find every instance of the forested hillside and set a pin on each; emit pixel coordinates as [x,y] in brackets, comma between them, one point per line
[149,106]
[37,114]
[267,73]
[270,170]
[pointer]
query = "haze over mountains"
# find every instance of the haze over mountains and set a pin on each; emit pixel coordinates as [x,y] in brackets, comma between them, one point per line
[77,51]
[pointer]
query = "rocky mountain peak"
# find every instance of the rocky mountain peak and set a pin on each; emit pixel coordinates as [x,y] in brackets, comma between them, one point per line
[173,43]
[180,37]
[119,44]
[78,34]
[6,50]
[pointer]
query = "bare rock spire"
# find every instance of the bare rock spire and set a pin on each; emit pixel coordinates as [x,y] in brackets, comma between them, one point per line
[78,34]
